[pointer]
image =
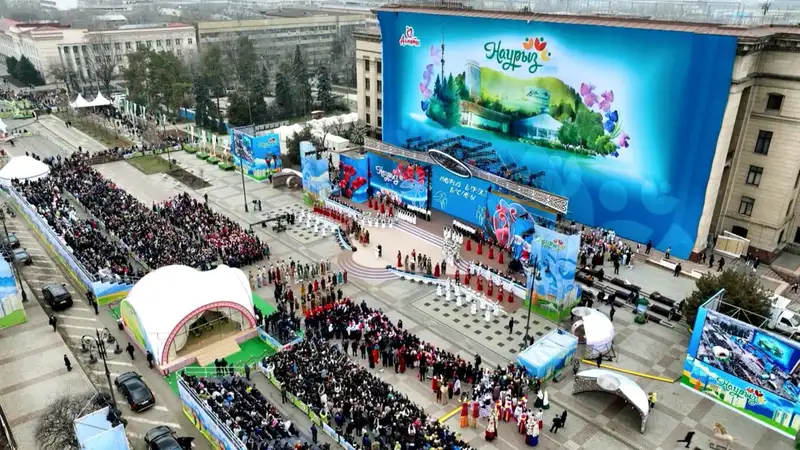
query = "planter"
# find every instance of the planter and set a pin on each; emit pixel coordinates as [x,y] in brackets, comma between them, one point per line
[225,166]
[202,155]
[190,150]
[212,160]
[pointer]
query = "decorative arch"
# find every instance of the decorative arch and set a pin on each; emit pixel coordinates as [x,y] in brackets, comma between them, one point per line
[245,313]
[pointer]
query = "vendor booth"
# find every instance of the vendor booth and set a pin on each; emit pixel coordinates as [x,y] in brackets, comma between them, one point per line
[551,353]
[95,432]
[181,314]
[594,329]
[23,168]
[603,380]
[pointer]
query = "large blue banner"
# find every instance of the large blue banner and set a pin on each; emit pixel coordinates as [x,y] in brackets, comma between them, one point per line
[353,175]
[397,179]
[554,289]
[260,155]
[507,218]
[464,199]
[626,132]
[316,179]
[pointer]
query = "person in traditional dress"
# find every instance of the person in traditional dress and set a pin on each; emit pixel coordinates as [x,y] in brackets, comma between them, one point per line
[464,413]
[491,428]
[476,407]
[518,411]
[539,402]
[532,432]
[540,418]
[486,405]
[522,421]
[508,408]
[546,401]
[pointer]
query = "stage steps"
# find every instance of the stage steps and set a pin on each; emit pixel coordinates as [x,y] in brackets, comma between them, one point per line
[219,349]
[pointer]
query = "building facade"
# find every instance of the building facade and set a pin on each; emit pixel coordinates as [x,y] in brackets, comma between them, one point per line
[369,80]
[276,37]
[753,189]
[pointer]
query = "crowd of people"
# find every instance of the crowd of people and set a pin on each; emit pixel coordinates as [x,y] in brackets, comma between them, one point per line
[237,404]
[181,230]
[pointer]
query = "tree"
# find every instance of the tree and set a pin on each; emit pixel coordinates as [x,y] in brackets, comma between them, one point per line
[11,64]
[568,133]
[102,60]
[325,97]
[157,79]
[246,63]
[238,109]
[63,75]
[742,289]
[355,134]
[343,58]
[24,71]
[302,87]
[203,107]
[283,92]
[293,143]
[213,70]
[55,430]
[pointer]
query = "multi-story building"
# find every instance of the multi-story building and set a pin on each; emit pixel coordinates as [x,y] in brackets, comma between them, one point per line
[754,185]
[36,41]
[76,56]
[369,79]
[278,34]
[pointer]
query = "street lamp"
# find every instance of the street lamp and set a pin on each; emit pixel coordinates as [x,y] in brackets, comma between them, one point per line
[536,277]
[100,344]
[7,248]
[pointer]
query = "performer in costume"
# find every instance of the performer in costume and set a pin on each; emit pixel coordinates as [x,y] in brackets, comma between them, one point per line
[539,402]
[476,407]
[508,409]
[464,413]
[518,411]
[532,435]
[522,422]
[491,429]
[540,418]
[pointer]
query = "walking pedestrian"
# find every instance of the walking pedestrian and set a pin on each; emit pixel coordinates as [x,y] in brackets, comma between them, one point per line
[130,350]
[687,439]
[556,425]
[511,322]
[648,248]
[677,271]
[599,360]
[611,313]
[53,321]
[283,393]
[651,399]
[93,302]
[247,371]
[564,418]
[150,359]
[668,253]
[576,365]
[313,433]
[67,363]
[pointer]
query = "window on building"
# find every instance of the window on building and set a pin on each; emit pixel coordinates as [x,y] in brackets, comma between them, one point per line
[366,65]
[127,46]
[366,101]
[138,45]
[790,208]
[380,86]
[106,46]
[774,102]
[378,66]
[178,51]
[746,205]
[739,231]
[178,41]
[189,41]
[366,83]
[754,175]
[117,46]
[380,105]
[763,141]
[168,42]
[380,121]
[149,44]
[66,52]
[368,120]
[158,43]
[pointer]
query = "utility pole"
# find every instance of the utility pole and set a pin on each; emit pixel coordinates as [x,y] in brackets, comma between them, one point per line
[531,292]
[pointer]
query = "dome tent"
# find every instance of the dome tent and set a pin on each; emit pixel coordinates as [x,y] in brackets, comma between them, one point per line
[23,168]
[166,302]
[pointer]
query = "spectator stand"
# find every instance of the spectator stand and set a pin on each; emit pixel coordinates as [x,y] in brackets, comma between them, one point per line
[204,419]
[104,291]
[312,416]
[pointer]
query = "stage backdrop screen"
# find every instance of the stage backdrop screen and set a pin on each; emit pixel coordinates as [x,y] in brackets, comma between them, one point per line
[464,199]
[626,132]
[752,371]
[398,179]
[353,175]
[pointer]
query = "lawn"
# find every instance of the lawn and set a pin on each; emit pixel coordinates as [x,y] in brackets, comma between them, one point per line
[150,164]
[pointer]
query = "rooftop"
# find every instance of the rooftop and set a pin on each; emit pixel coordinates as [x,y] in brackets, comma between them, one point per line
[724,18]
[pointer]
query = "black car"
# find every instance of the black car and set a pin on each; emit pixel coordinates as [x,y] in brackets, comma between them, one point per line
[163,438]
[12,240]
[18,255]
[57,296]
[136,392]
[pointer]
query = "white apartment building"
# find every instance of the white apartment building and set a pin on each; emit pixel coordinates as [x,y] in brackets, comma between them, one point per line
[117,43]
[754,185]
[369,76]
[276,36]
[36,41]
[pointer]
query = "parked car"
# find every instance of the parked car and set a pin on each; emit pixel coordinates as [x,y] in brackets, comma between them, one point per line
[12,240]
[136,392]
[18,255]
[57,296]
[163,438]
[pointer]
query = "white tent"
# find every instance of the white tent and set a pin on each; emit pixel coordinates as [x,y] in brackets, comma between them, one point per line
[163,306]
[23,168]
[604,380]
[80,102]
[100,100]
[595,329]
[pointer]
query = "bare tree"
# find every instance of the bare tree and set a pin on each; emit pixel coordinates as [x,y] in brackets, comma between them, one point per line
[55,429]
[61,74]
[102,60]
[356,132]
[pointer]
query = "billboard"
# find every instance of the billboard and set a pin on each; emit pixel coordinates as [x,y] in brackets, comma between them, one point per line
[353,175]
[749,370]
[464,199]
[316,179]
[627,133]
[555,292]
[398,179]
[260,154]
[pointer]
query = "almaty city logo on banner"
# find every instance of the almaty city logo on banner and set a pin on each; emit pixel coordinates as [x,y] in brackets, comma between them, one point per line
[533,53]
[408,39]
